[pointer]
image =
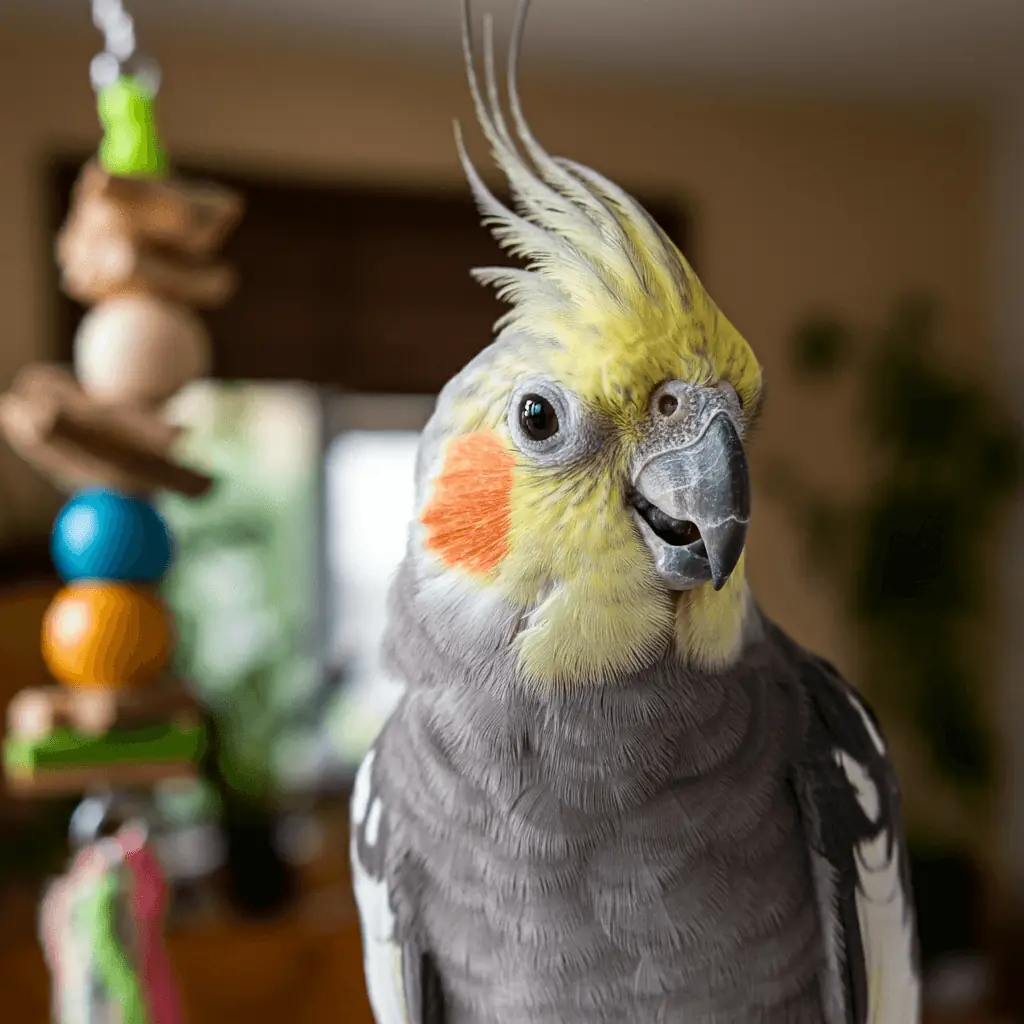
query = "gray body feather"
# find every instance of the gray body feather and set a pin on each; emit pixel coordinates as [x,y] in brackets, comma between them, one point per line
[648,850]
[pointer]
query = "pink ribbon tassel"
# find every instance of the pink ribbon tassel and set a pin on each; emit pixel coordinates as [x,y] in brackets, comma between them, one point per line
[149,902]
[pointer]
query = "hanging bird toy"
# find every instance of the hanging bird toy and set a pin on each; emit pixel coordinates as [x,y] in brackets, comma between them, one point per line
[139,247]
[101,931]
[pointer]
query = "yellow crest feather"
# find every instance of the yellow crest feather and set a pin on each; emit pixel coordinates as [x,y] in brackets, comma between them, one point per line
[614,309]
[603,280]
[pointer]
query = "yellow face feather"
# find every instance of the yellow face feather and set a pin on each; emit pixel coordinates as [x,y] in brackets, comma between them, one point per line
[574,560]
[609,309]
[617,352]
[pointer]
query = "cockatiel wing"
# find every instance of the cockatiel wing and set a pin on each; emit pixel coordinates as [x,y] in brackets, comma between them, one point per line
[401,979]
[851,809]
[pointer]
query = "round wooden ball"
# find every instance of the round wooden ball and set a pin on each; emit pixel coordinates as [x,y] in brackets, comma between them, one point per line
[139,350]
[106,535]
[100,634]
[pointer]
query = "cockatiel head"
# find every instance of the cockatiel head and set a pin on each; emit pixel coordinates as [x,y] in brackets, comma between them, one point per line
[586,473]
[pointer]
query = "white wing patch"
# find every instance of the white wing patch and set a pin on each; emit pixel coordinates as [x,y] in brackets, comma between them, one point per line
[362,789]
[863,784]
[894,990]
[372,831]
[869,726]
[382,955]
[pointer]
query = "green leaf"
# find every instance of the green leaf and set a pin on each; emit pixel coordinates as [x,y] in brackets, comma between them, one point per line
[915,559]
[821,348]
[960,741]
[999,462]
[916,571]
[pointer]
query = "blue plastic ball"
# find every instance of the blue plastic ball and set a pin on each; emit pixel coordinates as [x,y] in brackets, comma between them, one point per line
[106,535]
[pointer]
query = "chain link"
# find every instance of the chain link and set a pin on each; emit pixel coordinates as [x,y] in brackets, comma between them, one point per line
[116,24]
[120,53]
[104,811]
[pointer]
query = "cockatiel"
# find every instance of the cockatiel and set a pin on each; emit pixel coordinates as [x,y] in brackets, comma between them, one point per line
[612,791]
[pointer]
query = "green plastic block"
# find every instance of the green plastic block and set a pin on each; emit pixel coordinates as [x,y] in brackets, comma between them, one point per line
[66,749]
[131,143]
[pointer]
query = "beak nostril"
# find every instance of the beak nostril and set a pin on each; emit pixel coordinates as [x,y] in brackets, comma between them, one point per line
[668,404]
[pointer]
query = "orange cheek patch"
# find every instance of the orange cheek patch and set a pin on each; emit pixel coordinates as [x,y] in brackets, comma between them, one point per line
[469,514]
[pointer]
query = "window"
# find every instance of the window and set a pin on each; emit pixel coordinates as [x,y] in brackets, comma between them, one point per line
[369,484]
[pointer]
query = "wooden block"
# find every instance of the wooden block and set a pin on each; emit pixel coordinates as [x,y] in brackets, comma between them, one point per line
[68,759]
[149,273]
[191,217]
[202,285]
[47,385]
[101,259]
[94,249]
[74,455]
[78,780]
[78,442]
[37,712]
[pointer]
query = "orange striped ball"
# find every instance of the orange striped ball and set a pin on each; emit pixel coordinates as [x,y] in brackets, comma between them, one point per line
[97,633]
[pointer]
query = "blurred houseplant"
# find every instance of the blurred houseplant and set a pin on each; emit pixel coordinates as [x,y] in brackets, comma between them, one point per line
[910,560]
[241,592]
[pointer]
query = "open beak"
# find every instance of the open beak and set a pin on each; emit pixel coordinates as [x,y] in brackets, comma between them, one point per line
[692,504]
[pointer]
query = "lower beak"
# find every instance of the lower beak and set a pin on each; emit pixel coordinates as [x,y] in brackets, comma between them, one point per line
[693,506]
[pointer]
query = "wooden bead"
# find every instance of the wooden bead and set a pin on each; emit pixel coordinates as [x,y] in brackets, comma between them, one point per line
[100,634]
[139,350]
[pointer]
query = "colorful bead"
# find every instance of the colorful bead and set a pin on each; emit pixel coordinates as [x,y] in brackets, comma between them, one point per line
[105,535]
[106,634]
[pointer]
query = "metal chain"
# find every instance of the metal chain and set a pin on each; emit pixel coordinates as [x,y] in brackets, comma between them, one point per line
[120,53]
[105,810]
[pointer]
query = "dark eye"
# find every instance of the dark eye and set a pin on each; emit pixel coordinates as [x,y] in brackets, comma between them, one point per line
[537,418]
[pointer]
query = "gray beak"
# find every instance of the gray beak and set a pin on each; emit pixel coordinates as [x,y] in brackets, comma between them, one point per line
[692,505]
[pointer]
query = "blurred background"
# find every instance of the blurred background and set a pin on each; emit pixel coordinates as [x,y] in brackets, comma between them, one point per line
[847,179]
